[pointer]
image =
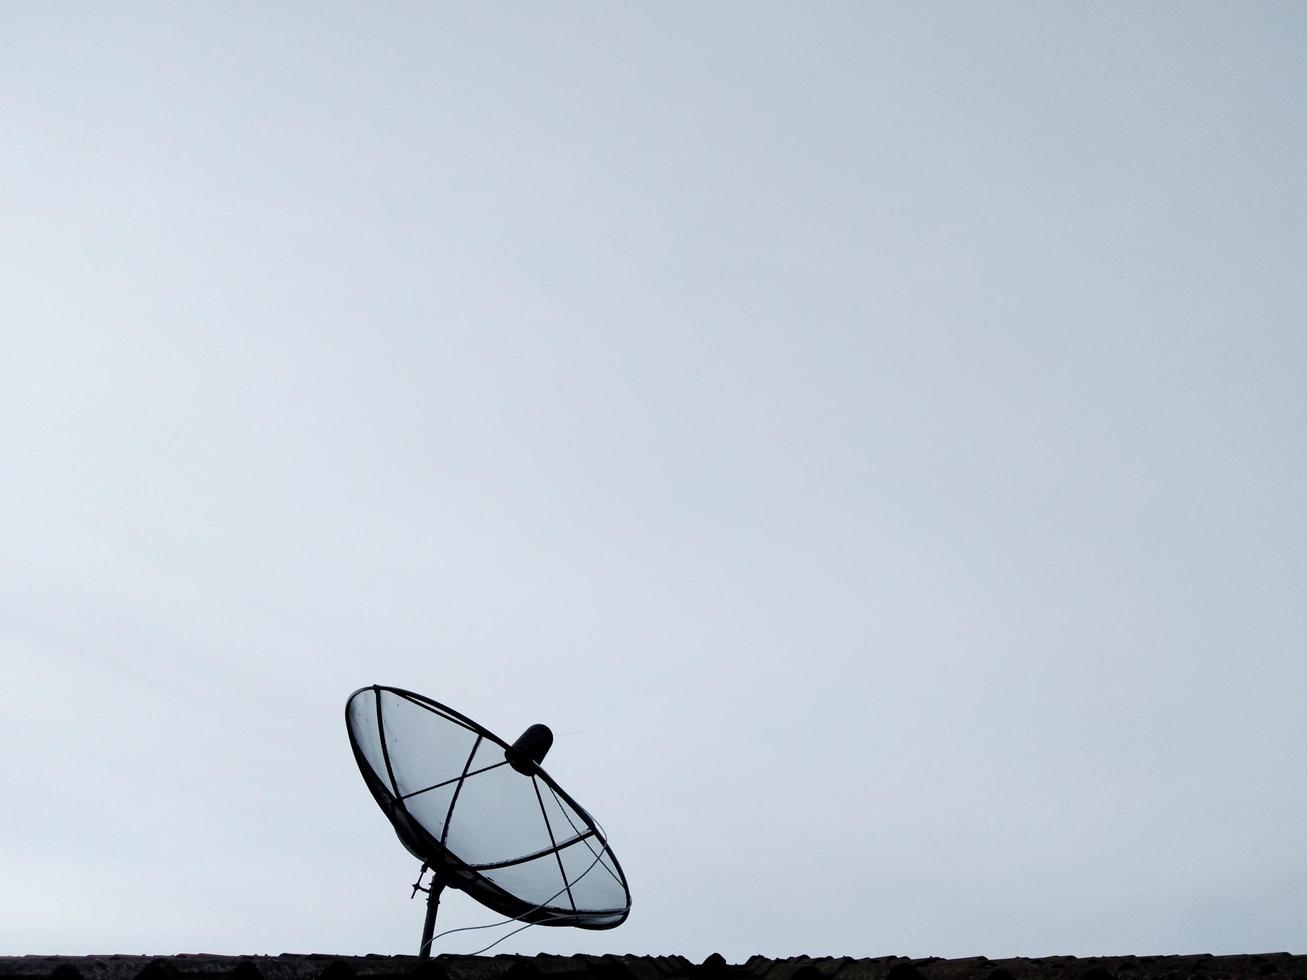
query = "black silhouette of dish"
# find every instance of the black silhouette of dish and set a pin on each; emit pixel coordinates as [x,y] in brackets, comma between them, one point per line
[483,814]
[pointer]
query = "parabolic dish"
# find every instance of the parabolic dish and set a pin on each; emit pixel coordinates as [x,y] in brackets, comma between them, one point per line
[504,832]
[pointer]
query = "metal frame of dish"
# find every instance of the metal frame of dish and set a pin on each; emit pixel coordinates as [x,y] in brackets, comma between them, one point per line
[447,868]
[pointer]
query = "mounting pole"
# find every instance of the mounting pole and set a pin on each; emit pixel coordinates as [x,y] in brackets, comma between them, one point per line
[429,926]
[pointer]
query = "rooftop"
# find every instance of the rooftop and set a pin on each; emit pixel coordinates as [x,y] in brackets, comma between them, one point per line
[314,966]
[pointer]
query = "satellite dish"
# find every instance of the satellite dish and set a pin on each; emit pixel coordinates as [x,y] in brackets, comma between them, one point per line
[483,815]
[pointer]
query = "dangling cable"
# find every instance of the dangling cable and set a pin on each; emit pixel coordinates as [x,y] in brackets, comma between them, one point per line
[518,918]
[514,933]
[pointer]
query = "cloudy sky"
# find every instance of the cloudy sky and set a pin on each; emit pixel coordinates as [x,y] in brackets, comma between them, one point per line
[871,435]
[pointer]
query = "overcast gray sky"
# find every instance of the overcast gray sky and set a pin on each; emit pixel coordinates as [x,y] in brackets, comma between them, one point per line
[871,436]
